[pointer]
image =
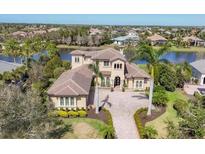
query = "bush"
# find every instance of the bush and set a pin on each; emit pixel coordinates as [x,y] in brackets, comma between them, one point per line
[73,114]
[167,77]
[139,122]
[149,132]
[160,97]
[181,107]
[82,113]
[110,131]
[62,113]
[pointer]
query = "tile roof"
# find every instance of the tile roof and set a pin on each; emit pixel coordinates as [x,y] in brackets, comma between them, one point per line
[105,54]
[8,66]
[156,37]
[133,71]
[199,65]
[72,82]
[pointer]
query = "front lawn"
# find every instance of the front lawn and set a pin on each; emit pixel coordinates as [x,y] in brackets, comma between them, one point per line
[170,113]
[84,128]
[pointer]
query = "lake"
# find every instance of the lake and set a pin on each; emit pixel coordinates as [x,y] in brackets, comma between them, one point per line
[174,57]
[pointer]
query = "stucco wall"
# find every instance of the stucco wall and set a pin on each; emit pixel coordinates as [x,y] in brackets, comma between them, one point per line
[77,64]
[79,102]
[131,84]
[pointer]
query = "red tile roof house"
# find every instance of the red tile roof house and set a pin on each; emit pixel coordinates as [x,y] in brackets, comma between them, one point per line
[72,88]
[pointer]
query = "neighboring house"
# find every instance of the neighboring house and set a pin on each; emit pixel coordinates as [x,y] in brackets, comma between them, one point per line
[131,38]
[198,71]
[7,66]
[72,88]
[157,39]
[194,41]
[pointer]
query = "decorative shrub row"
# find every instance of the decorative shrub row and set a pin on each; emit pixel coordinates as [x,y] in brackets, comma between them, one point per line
[139,122]
[109,119]
[73,114]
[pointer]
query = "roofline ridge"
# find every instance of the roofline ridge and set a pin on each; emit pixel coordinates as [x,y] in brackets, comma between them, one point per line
[79,86]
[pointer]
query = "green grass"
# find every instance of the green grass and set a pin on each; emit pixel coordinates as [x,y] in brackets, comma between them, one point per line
[170,114]
[181,49]
[95,130]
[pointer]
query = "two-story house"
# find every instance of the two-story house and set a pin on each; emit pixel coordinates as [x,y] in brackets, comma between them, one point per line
[72,88]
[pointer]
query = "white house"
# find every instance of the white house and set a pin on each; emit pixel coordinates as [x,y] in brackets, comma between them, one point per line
[198,71]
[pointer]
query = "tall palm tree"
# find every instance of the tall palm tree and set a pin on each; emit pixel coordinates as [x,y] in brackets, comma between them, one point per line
[98,75]
[152,56]
[27,50]
[12,48]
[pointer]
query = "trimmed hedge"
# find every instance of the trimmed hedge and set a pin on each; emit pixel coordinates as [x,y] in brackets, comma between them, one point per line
[139,122]
[62,113]
[71,113]
[109,119]
[82,113]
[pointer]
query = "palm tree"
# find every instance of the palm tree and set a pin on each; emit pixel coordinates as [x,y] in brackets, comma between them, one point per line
[152,56]
[98,75]
[27,50]
[12,48]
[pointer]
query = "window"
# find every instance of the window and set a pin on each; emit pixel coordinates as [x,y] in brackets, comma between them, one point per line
[77,59]
[103,82]
[106,63]
[61,101]
[71,101]
[108,81]
[115,66]
[145,81]
[139,84]
[67,101]
[120,66]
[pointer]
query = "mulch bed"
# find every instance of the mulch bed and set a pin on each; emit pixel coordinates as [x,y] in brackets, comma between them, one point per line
[100,116]
[155,114]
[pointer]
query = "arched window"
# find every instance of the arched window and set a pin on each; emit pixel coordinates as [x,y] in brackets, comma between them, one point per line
[114,65]
[120,66]
[117,66]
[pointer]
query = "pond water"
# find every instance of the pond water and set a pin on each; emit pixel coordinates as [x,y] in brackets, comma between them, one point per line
[174,57]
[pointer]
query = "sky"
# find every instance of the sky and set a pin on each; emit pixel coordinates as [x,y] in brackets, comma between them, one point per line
[107,19]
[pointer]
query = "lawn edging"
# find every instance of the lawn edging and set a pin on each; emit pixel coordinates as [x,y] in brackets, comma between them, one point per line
[138,121]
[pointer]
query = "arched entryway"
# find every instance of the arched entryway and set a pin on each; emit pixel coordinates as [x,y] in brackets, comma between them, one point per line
[117,81]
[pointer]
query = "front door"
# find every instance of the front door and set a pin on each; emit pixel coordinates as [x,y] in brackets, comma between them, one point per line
[117,81]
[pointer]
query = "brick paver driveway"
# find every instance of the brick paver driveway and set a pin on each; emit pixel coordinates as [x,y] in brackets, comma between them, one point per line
[122,106]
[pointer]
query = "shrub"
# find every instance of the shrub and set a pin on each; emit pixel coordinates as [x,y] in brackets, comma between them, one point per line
[82,113]
[149,132]
[62,113]
[109,132]
[160,97]
[139,122]
[181,107]
[167,77]
[73,114]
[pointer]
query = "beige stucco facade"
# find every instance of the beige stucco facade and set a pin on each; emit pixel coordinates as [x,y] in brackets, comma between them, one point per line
[114,72]
[79,102]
